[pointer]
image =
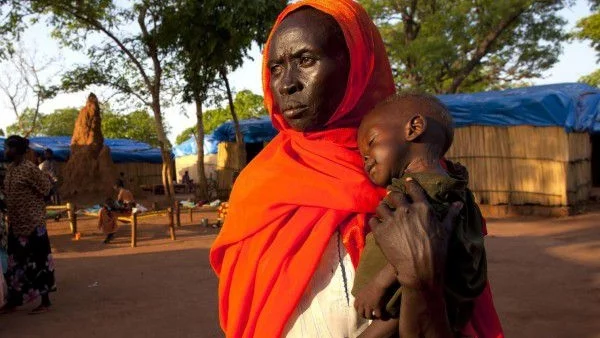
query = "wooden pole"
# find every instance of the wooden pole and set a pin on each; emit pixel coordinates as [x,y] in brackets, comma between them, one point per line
[134,230]
[191,215]
[72,217]
[171,225]
[178,213]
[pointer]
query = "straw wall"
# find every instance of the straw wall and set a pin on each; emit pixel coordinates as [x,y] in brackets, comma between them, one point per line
[230,161]
[136,174]
[524,165]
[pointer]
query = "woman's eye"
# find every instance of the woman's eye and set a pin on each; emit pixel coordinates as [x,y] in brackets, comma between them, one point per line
[276,69]
[307,61]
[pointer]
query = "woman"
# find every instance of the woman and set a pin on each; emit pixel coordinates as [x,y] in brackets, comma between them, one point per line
[287,252]
[108,214]
[30,273]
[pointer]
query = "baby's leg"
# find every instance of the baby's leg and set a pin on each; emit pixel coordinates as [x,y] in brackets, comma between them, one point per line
[382,329]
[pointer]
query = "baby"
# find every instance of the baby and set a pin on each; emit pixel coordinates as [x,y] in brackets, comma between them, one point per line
[406,136]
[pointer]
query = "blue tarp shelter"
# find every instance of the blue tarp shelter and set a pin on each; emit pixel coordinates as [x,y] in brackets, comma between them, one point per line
[255,130]
[573,106]
[122,150]
[189,147]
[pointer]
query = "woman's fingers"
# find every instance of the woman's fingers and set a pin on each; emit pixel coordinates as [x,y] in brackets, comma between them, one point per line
[383,211]
[395,199]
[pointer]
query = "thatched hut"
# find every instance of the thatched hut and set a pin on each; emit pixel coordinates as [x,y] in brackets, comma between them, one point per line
[528,150]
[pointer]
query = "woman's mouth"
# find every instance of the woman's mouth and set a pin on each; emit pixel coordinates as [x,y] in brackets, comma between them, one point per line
[295,112]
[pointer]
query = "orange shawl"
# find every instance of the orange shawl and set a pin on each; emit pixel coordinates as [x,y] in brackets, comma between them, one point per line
[288,202]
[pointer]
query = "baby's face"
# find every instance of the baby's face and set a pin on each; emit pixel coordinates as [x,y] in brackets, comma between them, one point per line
[382,146]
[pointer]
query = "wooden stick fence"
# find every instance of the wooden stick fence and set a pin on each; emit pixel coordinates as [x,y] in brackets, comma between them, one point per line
[72,216]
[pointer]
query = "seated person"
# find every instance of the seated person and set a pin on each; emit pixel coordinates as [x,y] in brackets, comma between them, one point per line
[125,200]
[405,137]
[107,220]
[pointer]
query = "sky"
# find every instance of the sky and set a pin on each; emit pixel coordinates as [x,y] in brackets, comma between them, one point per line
[577,59]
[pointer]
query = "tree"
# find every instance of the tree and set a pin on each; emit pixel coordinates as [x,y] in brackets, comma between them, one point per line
[22,79]
[129,60]
[246,104]
[2,134]
[137,125]
[212,35]
[59,123]
[588,29]
[464,45]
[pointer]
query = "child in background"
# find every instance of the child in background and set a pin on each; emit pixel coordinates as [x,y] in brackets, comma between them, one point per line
[405,137]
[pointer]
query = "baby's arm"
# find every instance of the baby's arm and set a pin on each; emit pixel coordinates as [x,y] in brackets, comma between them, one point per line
[369,302]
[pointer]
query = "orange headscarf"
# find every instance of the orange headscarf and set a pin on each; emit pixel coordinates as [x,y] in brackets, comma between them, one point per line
[289,201]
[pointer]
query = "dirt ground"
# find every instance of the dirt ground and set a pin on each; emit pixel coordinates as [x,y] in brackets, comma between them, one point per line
[545,275]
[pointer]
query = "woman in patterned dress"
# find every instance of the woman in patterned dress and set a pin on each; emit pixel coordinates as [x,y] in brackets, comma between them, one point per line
[30,273]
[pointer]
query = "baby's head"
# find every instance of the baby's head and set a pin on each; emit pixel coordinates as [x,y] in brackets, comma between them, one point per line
[401,129]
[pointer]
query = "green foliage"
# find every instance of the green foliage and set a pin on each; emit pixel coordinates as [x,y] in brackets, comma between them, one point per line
[185,135]
[25,123]
[592,79]
[60,123]
[463,46]
[588,29]
[247,105]
[2,132]
[210,36]
[137,125]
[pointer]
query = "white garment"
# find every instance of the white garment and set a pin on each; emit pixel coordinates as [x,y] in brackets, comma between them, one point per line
[326,310]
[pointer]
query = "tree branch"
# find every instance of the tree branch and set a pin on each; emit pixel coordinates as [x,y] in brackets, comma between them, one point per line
[96,24]
[482,49]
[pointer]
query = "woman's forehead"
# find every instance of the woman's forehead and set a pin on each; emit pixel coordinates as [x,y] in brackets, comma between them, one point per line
[307,26]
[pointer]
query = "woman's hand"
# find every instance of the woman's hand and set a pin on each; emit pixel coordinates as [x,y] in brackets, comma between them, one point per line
[413,240]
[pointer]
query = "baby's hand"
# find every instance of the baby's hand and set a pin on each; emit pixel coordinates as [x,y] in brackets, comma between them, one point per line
[369,302]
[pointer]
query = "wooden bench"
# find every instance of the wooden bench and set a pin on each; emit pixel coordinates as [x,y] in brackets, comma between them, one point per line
[133,218]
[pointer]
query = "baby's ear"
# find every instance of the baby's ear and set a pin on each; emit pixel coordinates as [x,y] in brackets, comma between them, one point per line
[415,127]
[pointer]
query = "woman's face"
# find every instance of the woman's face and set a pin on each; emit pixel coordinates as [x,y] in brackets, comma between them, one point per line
[309,64]
[11,153]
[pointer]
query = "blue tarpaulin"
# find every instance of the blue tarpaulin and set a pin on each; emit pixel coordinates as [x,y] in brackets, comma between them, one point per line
[255,130]
[121,150]
[574,106]
[189,147]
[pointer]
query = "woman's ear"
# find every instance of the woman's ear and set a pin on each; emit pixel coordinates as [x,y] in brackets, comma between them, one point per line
[415,127]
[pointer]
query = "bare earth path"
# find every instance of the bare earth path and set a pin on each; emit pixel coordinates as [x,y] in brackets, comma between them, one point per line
[545,276]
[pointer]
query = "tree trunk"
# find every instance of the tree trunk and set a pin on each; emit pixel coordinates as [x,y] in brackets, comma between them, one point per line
[239,139]
[163,142]
[202,186]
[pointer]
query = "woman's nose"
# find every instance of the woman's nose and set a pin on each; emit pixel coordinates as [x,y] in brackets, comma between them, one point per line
[290,83]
